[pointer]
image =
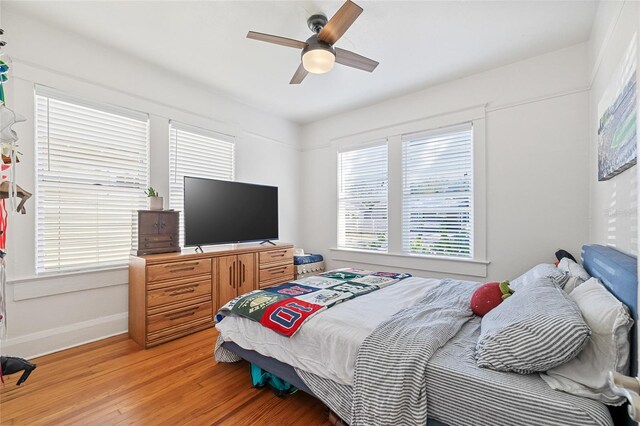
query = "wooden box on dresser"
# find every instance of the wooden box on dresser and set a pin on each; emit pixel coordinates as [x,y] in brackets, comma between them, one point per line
[175,294]
[157,232]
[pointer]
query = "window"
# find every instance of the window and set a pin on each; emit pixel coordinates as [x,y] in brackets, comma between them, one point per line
[362,198]
[438,193]
[197,153]
[92,170]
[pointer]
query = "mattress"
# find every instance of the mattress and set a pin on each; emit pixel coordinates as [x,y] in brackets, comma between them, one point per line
[323,353]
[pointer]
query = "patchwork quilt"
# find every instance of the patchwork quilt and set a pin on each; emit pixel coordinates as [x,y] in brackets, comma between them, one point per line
[286,307]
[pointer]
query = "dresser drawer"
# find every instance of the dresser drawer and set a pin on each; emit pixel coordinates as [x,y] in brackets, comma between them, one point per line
[154,238]
[276,273]
[182,289]
[177,316]
[157,244]
[178,331]
[173,270]
[273,256]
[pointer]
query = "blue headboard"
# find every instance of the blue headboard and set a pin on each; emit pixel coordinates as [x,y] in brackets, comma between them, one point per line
[619,273]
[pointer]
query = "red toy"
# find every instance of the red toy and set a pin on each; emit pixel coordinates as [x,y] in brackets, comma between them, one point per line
[488,296]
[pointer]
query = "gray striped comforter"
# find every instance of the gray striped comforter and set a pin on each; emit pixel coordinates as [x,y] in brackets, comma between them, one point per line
[405,342]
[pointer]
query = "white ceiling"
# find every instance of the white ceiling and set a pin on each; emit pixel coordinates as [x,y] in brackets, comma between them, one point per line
[418,44]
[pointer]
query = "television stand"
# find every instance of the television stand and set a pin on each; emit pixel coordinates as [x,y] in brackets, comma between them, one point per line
[199,249]
[268,242]
[176,294]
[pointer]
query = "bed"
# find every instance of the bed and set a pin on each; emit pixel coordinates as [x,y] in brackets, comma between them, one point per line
[458,392]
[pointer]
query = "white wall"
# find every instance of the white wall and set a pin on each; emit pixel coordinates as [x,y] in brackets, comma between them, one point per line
[538,167]
[536,160]
[50,313]
[613,204]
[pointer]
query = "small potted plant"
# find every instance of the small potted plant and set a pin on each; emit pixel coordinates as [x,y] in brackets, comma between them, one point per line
[155,201]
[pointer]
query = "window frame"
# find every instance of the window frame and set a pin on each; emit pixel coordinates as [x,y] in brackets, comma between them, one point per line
[176,180]
[430,134]
[49,94]
[373,144]
[477,266]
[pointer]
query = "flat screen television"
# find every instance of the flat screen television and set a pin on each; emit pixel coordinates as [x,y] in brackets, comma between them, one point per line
[222,212]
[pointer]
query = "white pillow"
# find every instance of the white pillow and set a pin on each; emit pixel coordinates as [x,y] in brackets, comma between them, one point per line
[543,270]
[607,348]
[572,283]
[573,269]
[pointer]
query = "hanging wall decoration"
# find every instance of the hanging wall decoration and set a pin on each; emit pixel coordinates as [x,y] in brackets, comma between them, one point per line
[617,110]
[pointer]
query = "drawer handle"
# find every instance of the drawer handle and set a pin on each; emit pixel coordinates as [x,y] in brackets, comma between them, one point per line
[191,268]
[181,314]
[282,253]
[277,271]
[194,264]
[184,290]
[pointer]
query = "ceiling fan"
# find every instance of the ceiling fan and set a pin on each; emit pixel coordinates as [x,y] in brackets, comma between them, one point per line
[318,53]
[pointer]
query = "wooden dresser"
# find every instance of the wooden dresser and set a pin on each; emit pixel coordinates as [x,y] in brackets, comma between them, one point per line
[175,294]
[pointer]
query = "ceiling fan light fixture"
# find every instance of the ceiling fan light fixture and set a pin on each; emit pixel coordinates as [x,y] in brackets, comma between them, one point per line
[318,53]
[318,57]
[318,61]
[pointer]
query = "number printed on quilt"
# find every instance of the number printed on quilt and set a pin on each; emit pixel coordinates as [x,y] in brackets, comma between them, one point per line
[286,316]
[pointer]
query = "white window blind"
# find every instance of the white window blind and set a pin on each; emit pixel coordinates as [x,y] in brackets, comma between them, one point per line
[438,193]
[92,170]
[362,199]
[200,153]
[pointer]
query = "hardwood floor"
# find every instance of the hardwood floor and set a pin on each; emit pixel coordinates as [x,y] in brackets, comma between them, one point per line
[114,382]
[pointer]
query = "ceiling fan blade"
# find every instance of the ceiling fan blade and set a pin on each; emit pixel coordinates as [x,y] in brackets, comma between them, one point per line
[283,41]
[340,22]
[300,74]
[354,60]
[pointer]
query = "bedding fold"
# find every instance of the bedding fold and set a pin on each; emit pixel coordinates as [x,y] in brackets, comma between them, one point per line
[406,341]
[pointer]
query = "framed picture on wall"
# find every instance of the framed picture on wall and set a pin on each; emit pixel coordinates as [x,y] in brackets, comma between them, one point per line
[617,111]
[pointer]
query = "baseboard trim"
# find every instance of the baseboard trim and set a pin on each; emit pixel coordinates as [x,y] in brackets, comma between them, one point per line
[56,339]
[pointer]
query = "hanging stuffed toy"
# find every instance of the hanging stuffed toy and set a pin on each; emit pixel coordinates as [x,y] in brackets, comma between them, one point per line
[4,70]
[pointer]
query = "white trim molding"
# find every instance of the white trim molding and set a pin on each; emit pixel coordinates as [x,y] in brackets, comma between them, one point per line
[51,284]
[56,339]
[447,265]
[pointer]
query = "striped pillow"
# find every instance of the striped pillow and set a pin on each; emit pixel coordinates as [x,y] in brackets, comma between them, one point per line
[539,327]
